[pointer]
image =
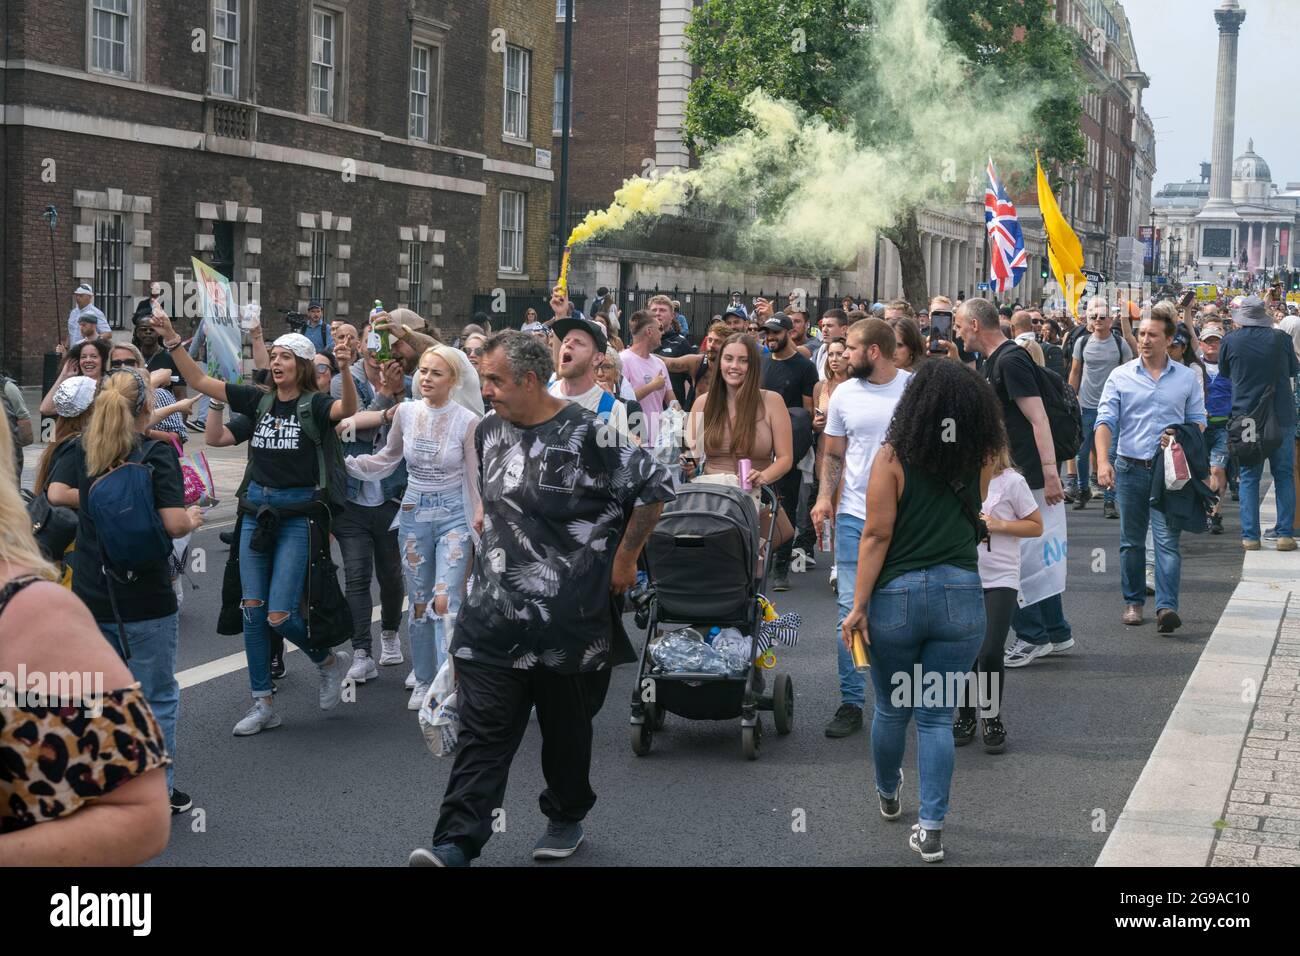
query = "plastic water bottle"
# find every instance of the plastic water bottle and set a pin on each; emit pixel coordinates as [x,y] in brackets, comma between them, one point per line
[713,632]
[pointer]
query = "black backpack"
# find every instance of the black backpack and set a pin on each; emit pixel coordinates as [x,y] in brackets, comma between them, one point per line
[1060,402]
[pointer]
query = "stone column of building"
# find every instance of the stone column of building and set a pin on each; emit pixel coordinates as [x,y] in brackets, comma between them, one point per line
[963,269]
[1229,18]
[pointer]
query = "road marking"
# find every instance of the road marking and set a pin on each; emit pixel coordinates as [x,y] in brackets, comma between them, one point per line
[222,666]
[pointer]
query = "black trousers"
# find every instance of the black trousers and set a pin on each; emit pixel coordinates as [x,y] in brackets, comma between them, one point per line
[788,489]
[999,607]
[366,544]
[494,707]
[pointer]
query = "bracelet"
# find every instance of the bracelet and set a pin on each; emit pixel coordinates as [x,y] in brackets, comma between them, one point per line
[174,346]
[217,405]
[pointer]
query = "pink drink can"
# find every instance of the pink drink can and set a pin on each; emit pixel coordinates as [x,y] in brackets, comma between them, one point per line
[746,466]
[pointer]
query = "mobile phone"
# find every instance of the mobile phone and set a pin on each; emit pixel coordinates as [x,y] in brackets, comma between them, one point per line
[941,325]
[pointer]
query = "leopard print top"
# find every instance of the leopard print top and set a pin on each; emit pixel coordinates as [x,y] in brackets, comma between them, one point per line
[53,760]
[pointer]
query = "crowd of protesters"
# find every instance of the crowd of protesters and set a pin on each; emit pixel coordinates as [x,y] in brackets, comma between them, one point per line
[502,487]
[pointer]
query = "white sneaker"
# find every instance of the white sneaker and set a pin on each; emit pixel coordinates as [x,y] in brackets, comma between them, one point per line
[410,680]
[1060,647]
[390,649]
[1022,652]
[331,679]
[261,717]
[417,696]
[834,575]
[363,667]
[1151,580]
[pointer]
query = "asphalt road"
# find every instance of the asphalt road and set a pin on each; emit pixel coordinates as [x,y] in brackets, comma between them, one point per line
[356,786]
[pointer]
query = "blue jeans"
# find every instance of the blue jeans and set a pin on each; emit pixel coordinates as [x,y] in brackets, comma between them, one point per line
[275,580]
[153,664]
[1136,515]
[1042,623]
[933,618]
[1089,416]
[848,534]
[433,536]
[1280,463]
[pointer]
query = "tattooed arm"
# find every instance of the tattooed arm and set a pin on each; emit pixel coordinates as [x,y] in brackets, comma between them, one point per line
[643,521]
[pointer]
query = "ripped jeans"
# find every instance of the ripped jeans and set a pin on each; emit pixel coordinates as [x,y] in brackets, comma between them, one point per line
[433,538]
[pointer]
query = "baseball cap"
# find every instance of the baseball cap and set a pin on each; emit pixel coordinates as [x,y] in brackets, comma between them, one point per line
[74,395]
[532,327]
[314,304]
[83,289]
[735,310]
[1212,330]
[779,323]
[562,327]
[296,343]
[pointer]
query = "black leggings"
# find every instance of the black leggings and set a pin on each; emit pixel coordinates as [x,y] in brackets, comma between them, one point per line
[999,606]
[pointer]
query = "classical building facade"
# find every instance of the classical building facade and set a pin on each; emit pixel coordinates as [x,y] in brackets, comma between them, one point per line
[333,149]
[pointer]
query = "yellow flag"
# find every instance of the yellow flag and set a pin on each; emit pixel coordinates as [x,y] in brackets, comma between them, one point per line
[1064,251]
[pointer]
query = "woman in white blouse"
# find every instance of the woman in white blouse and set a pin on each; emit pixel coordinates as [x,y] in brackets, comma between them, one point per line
[434,433]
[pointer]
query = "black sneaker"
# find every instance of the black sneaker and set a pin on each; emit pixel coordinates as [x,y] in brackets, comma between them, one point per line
[1236,494]
[1081,499]
[780,580]
[1108,510]
[560,840]
[1070,494]
[928,843]
[995,735]
[891,808]
[963,729]
[1216,524]
[227,537]
[180,801]
[278,670]
[847,720]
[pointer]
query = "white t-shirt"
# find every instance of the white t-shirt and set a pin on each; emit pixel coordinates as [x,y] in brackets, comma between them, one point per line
[861,412]
[1010,499]
[590,400]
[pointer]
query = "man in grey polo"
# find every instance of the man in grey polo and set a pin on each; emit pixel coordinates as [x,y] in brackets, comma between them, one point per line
[1095,357]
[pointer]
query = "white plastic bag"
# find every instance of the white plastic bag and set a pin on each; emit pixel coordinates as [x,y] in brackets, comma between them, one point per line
[439,716]
[1177,472]
[671,438]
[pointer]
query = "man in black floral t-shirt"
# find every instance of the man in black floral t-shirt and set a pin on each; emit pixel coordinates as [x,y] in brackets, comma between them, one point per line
[567,505]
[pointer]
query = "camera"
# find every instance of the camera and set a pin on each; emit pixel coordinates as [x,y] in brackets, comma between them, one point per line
[296,320]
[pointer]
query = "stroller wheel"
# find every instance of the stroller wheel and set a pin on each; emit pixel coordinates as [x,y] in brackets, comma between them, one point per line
[642,735]
[783,704]
[655,716]
[750,740]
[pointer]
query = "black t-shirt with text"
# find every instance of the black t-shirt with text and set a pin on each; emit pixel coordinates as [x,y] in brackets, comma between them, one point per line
[1010,369]
[280,455]
[148,596]
[793,379]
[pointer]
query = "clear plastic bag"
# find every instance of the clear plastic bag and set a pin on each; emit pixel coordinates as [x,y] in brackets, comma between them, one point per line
[439,716]
[684,652]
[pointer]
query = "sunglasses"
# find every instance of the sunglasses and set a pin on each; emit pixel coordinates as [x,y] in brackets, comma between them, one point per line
[476,352]
[322,368]
[120,363]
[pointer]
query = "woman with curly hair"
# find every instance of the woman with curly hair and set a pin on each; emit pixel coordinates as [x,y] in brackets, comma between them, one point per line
[918,602]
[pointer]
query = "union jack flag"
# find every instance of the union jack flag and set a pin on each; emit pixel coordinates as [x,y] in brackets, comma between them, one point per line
[1007,257]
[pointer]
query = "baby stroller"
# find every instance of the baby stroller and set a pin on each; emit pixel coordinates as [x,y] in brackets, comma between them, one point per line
[700,561]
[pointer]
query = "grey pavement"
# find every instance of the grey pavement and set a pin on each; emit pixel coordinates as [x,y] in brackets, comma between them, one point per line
[357,786]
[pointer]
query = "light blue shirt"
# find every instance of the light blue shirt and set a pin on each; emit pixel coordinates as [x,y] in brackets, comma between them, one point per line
[74,322]
[1139,408]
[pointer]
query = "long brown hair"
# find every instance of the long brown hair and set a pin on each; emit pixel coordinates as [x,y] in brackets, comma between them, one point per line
[65,429]
[749,402]
[304,375]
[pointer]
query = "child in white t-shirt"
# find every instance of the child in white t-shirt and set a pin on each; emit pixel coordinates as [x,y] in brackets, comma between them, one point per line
[1011,513]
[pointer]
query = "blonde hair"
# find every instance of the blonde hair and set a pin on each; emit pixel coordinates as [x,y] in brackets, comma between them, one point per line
[112,432]
[135,354]
[1002,460]
[17,546]
[448,356]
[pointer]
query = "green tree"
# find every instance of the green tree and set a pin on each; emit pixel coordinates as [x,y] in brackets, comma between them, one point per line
[815,53]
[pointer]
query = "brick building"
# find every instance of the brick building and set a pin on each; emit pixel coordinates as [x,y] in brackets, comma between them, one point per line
[332,149]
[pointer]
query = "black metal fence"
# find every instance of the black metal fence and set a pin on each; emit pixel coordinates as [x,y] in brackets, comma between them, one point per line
[700,306]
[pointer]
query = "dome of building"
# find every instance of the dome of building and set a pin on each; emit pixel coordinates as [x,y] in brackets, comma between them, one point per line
[1250,166]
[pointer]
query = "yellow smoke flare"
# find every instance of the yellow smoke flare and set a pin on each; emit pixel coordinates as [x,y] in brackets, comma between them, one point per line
[637,196]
